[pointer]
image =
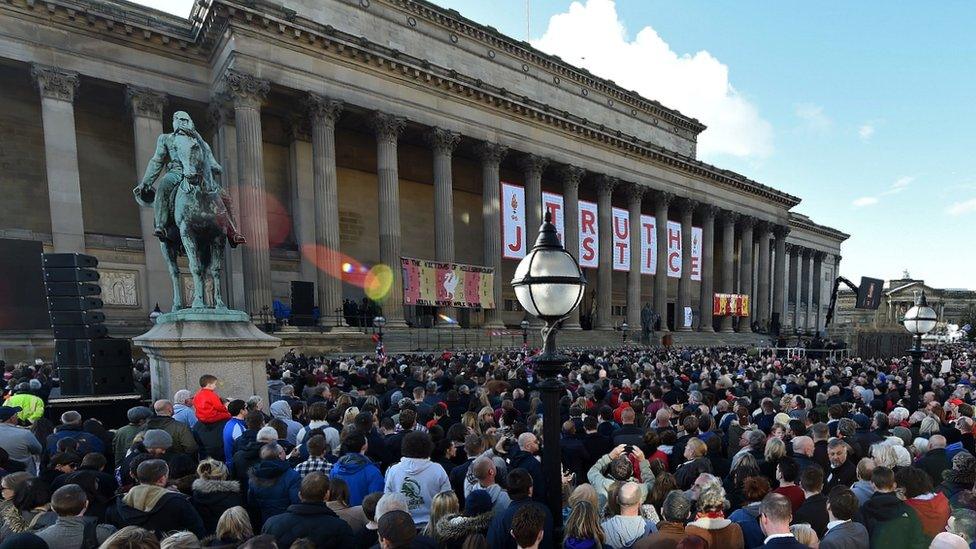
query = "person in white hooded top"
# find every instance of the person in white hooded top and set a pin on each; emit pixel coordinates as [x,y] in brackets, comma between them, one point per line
[416,477]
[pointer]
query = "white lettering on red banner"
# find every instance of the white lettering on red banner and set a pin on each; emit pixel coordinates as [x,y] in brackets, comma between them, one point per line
[553,203]
[513,221]
[621,239]
[589,252]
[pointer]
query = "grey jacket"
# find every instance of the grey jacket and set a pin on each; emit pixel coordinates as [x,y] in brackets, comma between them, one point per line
[69,532]
[849,535]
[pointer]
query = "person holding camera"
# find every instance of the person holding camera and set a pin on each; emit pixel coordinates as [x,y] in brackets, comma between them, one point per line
[625,463]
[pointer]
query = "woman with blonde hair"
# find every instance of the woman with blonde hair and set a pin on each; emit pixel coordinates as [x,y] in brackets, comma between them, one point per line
[928,427]
[486,418]
[583,530]
[180,540]
[884,455]
[212,494]
[805,534]
[131,537]
[349,416]
[775,451]
[443,504]
[583,492]
[233,528]
[710,523]
[470,421]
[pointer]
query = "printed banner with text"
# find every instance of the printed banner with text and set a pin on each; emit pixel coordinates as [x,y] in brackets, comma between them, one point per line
[730,305]
[515,245]
[432,283]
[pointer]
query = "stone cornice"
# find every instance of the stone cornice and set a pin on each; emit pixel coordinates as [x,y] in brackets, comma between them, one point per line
[193,40]
[325,39]
[491,38]
[803,222]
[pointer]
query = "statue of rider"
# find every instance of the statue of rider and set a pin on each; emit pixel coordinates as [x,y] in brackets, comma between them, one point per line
[167,155]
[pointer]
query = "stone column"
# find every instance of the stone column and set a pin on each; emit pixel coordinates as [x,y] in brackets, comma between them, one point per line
[761,312]
[661,202]
[745,271]
[491,155]
[248,92]
[302,185]
[805,287]
[604,296]
[324,113]
[794,283]
[687,209]
[729,220]
[533,166]
[635,194]
[571,176]
[707,268]
[146,107]
[779,274]
[387,128]
[58,88]
[221,114]
[817,318]
[443,142]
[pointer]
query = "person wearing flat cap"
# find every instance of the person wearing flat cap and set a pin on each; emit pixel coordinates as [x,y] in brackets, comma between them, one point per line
[21,444]
[137,415]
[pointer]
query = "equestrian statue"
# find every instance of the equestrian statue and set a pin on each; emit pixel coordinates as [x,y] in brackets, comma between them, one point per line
[191,210]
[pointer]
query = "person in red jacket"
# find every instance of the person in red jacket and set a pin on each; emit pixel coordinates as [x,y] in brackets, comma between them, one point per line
[207,404]
[931,506]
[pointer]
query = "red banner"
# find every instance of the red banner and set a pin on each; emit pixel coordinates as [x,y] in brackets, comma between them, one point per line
[730,305]
[440,284]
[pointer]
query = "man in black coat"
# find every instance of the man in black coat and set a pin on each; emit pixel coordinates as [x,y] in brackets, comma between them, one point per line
[842,470]
[814,508]
[935,461]
[151,506]
[524,458]
[596,444]
[573,454]
[311,518]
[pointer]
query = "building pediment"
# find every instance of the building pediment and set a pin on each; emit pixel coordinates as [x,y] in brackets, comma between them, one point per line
[911,289]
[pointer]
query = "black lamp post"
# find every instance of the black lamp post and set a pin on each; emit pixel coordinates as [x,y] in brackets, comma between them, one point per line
[549,284]
[525,333]
[919,320]
[623,333]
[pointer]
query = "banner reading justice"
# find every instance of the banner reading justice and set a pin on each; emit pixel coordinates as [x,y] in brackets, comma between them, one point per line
[515,244]
[435,284]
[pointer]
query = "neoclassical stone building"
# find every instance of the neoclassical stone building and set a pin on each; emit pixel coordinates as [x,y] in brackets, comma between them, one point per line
[378,128]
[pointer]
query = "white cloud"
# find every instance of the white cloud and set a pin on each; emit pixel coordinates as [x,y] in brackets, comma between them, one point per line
[960,208]
[592,35]
[866,132]
[898,186]
[813,117]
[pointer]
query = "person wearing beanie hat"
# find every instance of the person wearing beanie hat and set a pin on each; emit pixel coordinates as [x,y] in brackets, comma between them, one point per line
[453,529]
[124,436]
[157,441]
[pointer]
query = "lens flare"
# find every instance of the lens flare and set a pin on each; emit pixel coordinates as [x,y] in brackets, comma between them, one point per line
[378,282]
[279,220]
[336,264]
[446,318]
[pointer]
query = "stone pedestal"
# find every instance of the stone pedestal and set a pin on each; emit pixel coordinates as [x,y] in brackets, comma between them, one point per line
[187,344]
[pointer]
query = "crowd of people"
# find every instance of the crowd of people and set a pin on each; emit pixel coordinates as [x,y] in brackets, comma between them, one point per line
[720,448]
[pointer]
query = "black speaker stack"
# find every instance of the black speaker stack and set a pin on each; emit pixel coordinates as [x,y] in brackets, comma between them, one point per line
[89,362]
[303,304]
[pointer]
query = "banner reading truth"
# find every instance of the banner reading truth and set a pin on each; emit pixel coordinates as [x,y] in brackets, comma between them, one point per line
[436,284]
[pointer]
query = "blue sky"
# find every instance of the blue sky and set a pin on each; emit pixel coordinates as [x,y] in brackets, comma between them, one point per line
[864,110]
